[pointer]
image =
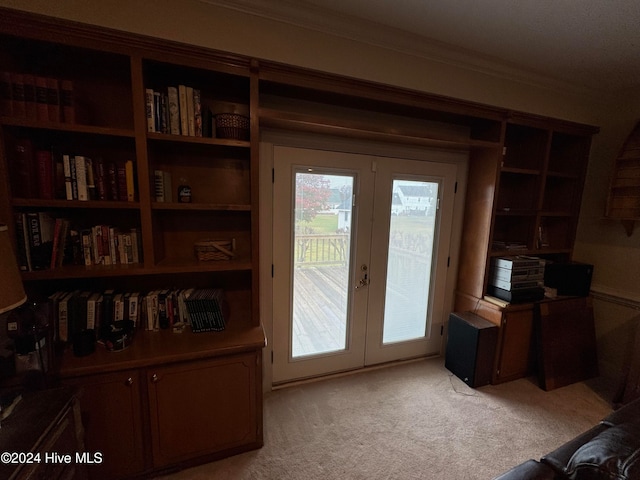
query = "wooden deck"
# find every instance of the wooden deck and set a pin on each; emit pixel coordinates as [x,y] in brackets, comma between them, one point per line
[320,309]
[320,306]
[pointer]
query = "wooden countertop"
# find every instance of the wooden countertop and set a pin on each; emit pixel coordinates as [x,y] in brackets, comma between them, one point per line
[154,348]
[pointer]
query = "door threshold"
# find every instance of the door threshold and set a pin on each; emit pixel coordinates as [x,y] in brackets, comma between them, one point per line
[303,381]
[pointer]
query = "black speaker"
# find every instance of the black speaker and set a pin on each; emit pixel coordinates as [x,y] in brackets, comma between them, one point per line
[572,278]
[471,347]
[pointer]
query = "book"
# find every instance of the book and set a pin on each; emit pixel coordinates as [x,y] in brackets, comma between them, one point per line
[197,113]
[23,169]
[63,316]
[92,309]
[164,113]
[174,110]
[6,97]
[22,242]
[42,99]
[87,254]
[133,308]
[190,113]
[112,181]
[30,104]
[100,178]
[67,101]
[121,175]
[18,107]
[129,176]
[157,112]
[184,115]
[81,177]
[91,181]
[74,177]
[53,99]
[158,183]
[59,187]
[45,172]
[149,104]
[40,228]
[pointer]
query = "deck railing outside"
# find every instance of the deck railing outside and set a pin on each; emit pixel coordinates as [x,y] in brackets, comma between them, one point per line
[322,249]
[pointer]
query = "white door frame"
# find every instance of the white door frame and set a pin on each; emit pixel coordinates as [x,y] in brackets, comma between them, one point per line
[270,138]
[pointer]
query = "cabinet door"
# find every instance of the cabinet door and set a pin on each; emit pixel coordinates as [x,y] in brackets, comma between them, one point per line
[111,414]
[515,359]
[201,408]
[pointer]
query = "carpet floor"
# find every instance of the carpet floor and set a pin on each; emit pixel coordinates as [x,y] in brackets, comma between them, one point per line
[410,421]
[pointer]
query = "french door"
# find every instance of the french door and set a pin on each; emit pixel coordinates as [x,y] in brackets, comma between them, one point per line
[360,259]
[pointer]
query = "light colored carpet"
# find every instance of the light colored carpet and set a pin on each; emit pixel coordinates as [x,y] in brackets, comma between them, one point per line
[410,421]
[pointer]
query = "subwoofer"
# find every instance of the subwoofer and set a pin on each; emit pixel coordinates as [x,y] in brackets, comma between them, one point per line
[471,347]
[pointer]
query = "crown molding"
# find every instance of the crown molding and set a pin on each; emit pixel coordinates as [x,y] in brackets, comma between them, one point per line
[311,17]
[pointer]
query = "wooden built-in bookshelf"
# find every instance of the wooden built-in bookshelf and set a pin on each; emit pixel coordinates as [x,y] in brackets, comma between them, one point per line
[524,186]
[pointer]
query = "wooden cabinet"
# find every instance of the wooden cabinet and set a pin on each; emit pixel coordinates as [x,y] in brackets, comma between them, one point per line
[170,400]
[515,355]
[204,407]
[111,406]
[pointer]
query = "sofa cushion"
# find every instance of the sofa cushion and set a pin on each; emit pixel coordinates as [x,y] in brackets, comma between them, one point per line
[613,454]
[529,470]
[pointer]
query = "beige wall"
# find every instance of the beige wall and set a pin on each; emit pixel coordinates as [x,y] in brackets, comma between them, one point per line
[616,257]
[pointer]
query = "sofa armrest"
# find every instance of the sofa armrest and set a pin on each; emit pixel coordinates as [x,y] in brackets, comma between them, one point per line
[529,470]
[559,458]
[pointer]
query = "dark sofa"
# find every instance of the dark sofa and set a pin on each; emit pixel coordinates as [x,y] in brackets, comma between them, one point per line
[609,450]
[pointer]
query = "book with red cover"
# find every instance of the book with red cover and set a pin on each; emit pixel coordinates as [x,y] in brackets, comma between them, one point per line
[45,172]
[23,169]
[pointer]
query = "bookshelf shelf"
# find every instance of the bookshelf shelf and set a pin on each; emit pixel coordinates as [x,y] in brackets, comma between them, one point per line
[74,204]
[222,142]
[65,127]
[200,206]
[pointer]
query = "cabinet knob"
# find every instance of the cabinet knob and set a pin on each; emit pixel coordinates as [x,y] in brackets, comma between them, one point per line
[154,378]
[129,382]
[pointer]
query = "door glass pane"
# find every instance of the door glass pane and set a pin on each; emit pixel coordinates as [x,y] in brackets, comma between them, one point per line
[411,232]
[321,263]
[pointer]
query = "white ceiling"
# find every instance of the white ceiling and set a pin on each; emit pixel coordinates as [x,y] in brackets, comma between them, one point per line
[586,43]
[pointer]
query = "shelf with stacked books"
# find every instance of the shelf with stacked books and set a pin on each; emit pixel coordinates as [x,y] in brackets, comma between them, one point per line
[55,83]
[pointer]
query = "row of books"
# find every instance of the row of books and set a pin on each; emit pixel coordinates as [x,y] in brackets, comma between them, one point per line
[178,111]
[24,95]
[45,174]
[46,242]
[78,310]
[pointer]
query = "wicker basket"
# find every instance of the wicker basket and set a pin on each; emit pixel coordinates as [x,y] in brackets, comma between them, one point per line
[209,250]
[232,126]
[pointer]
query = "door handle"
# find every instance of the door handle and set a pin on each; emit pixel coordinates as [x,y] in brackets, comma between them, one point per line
[364,281]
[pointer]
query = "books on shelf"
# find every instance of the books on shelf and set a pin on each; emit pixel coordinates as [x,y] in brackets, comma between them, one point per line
[163,186]
[165,309]
[46,242]
[176,110]
[40,173]
[49,99]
